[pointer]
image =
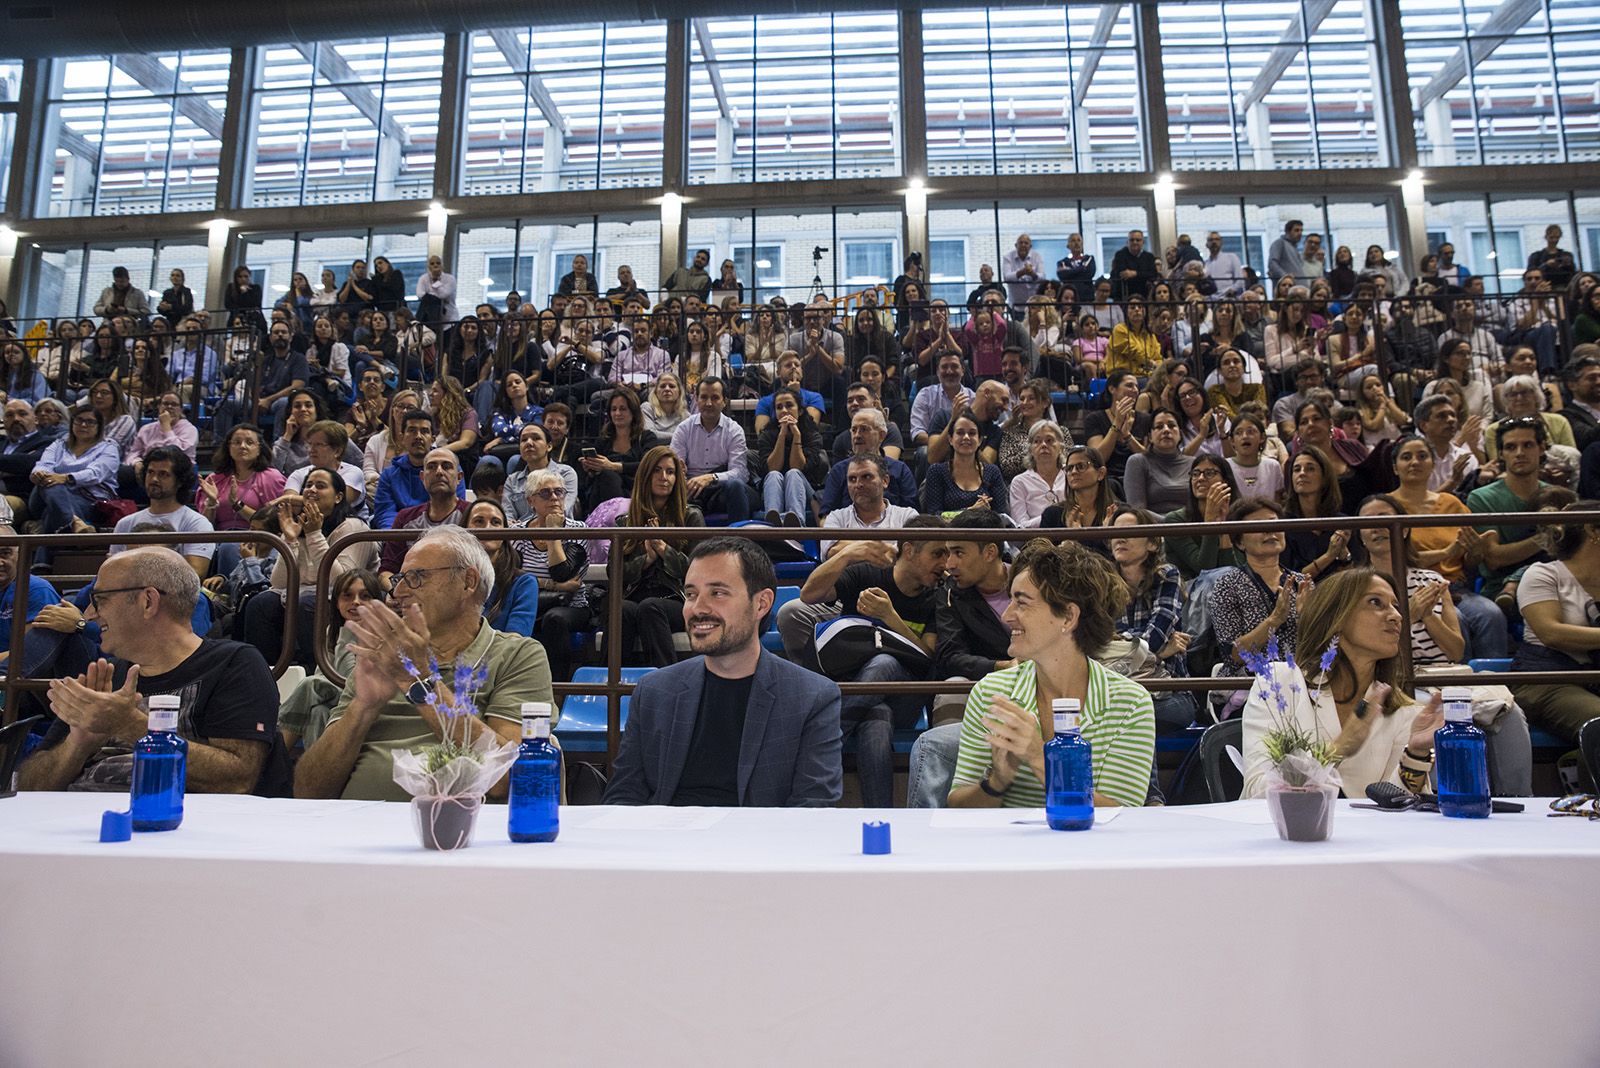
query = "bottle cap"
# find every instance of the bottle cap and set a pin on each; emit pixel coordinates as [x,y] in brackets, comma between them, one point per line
[875,838]
[164,712]
[116,826]
[1457,703]
[1066,704]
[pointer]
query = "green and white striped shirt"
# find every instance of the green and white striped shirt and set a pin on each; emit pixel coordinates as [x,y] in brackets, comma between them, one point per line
[1118,720]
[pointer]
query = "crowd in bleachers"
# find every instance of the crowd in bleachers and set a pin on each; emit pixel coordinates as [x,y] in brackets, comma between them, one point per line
[1181,388]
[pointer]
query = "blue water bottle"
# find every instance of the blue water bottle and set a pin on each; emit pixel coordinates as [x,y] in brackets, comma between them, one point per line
[1068,772]
[1461,759]
[160,764]
[536,779]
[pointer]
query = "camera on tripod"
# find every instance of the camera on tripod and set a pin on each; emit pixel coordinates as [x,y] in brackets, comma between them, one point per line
[817,253]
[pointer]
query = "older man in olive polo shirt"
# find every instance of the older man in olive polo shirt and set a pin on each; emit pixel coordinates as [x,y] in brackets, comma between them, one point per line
[437,607]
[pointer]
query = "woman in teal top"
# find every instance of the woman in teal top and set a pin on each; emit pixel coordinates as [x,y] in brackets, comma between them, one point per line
[1065,601]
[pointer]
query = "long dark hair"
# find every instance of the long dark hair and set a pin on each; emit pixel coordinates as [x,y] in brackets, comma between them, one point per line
[222,459]
[343,582]
[507,562]
[1330,502]
[1193,512]
[608,429]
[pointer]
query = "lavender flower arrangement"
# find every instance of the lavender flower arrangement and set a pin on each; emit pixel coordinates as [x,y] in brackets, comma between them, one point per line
[1301,757]
[459,765]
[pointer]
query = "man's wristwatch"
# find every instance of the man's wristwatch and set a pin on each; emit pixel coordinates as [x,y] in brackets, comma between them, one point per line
[983,784]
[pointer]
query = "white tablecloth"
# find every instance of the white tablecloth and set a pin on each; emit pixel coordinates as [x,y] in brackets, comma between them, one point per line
[319,933]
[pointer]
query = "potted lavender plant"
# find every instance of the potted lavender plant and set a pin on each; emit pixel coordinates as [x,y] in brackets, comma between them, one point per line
[447,780]
[1303,782]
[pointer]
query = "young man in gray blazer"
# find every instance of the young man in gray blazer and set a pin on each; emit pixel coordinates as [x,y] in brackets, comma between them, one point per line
[736,725]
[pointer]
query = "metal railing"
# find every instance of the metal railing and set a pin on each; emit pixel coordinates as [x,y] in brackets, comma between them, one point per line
[27,544]
[614,689]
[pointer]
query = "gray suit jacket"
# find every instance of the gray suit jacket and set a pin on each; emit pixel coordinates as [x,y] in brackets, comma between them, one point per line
[789,755]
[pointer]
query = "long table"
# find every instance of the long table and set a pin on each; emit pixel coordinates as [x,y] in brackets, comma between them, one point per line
[319,933]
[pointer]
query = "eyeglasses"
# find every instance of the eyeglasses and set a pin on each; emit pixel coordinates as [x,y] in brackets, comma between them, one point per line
[1073,469]
[551,493]
[1585,805]
[98,596]
[1204,472]
[413,579]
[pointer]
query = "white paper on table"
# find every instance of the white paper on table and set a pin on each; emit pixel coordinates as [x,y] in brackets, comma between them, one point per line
[655,818]
[975,819]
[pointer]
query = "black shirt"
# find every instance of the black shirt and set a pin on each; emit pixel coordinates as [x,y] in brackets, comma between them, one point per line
[918,610]
[226,690]
[1098,424]
[711,772]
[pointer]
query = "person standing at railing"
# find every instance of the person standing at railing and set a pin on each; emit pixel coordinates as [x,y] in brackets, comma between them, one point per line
[1554,263]
[1284,259]
[177,301]
[1534,315]
[1022,269]
[122,297]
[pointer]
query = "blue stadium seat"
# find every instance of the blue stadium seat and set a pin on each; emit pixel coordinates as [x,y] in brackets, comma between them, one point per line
[1097,386]
[770,639]
[1489,665]
[582,726]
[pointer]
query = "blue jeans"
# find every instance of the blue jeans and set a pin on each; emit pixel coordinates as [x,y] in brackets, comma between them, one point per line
[1484,627]
[933,766]
[786,492]
[873,718]
[57,506]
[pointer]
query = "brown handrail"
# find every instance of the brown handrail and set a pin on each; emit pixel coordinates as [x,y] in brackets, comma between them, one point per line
[614,689]
[25,544]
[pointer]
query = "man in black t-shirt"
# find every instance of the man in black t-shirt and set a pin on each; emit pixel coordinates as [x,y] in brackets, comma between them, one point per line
[1118,432]
[143,600]
[900,597]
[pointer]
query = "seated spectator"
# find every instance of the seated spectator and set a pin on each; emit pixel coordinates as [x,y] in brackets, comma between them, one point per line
[1378,731]
[445,505]
[304,714]
[1045,481]
[513,605]
[1133,345]
[1455,468]
[42,645]
[1352,349]
[25,442]
[74,474]
[1525,399]
[169,480]
[1233,391]
[384,446]
[240,485]
[1309,385]
[169,428]
[713,450]
[901,597]
[513,409]
[788,461]
[640,362]
[107,398]
[143,602]
[1158,478]
[868,430]
[1151,622]
[789,373]
[653,568]
[1381,417]
[1456,365]
[965,481]
[1063,603]
[666,406]
[1437,643]
[1259,601]
[1558,602]
[455,423]
[1090,501]
[1499,551]
[558,566]
[1030,407]
[1583,378]
[762,732]
[20,378]
[309,521]
[400,484]
[1118,432]
[291,451]
[1360,471]
[860,395]
[1212,490]
[1089,347]
[608,471]
[368,416]
[1201,426]
[1314,494]
[534,444]
[437,603]
[934,404]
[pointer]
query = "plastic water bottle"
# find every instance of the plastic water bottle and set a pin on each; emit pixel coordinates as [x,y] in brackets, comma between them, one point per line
[160,766]
[1068,772]
[1463,763]
[536,779]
